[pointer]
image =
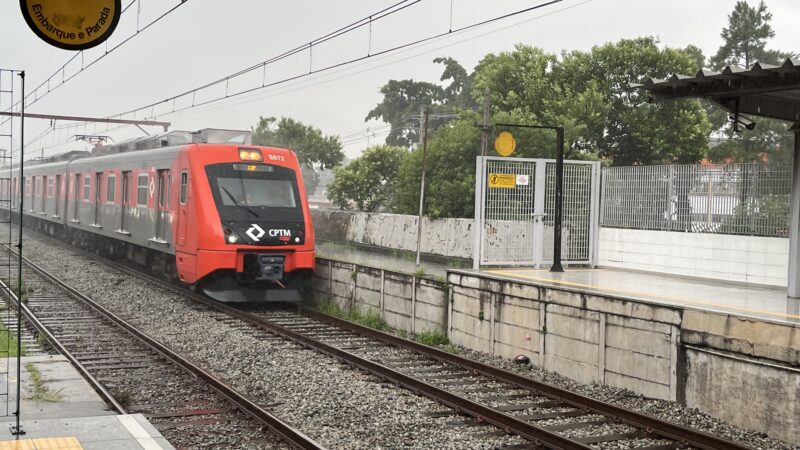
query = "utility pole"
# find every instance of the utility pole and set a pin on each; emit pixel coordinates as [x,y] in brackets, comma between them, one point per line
[17,429]
[487,101]
[423,137]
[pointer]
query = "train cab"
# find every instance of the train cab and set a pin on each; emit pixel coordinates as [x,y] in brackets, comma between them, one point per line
[256,241]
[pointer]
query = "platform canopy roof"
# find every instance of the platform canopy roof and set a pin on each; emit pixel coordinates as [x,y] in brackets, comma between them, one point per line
[762,90]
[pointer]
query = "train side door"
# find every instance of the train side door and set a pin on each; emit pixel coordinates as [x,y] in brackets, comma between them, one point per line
[182,205]
[123,214]
[98,182]
[162,209]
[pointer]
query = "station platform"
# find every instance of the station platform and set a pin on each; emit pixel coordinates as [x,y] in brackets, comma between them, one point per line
[744,300]
[739,299]
[61,411]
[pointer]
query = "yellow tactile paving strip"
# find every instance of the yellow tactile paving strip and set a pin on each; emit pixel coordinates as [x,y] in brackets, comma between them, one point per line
[56,443]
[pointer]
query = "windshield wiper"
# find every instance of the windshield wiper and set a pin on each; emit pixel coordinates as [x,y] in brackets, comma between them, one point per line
[238,203]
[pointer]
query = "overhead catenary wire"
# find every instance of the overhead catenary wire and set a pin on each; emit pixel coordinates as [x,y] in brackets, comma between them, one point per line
[303,77]
[320,79]
[323,69]
[62,70]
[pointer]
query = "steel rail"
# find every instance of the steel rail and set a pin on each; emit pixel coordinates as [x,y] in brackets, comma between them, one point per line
[506,422]
[510,424]
[276,425]
[653,427]
[98,387]
[650,424]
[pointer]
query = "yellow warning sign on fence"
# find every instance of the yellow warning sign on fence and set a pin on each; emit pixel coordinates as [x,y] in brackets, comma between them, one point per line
[502,180]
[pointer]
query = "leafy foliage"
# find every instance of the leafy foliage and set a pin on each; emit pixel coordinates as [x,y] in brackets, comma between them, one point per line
[368,181]
[745,38]
[744,44]
[403,100]
[313,149]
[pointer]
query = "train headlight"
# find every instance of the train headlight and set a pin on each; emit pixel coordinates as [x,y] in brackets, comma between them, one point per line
[249,154]
[232,239]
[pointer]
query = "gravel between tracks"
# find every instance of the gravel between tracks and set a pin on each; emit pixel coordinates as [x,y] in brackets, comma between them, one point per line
[340,407]
[334,404]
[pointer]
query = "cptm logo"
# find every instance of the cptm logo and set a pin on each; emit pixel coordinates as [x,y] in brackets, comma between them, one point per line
[282,234]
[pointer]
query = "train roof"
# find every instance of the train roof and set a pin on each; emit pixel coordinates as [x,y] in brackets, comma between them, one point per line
[162,141]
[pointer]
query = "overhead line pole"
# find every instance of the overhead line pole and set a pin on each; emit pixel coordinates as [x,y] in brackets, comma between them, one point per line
[487,101]
[424,141]
[17,430]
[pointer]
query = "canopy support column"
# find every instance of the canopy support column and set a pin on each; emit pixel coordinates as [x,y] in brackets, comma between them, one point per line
[794,220]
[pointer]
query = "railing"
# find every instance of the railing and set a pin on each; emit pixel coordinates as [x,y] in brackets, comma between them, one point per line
[745,199]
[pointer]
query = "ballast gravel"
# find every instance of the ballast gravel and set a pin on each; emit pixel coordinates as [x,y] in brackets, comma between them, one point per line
[338,406]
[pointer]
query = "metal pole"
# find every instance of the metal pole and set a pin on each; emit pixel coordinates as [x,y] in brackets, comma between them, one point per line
[422,182]
[17,430]
[559,201]
[487,101]
[793,290]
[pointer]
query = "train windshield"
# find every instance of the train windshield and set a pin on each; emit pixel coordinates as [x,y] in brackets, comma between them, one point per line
[245,192]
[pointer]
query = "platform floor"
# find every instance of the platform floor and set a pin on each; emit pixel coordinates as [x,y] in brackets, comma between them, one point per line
[731,298]
[120,432]
[748,300]
[61,411]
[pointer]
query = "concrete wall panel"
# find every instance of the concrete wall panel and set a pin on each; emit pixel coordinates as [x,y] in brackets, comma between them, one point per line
[751,259]
[757,396]
[618,341]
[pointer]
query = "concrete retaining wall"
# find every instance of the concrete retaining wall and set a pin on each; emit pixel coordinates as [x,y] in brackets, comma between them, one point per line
[745,371]
[406,302]
[588,338]
[750,259]
[445,237]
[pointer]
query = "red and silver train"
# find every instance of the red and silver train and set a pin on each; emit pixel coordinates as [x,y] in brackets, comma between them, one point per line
[230,219]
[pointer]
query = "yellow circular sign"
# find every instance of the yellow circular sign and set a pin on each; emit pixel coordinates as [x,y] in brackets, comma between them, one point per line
[505,144]
[72,24]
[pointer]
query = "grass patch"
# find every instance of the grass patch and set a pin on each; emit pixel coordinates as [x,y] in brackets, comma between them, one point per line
[41,393]
[8,343]
[432,338]
[23,293]
[370,319]
[420,272]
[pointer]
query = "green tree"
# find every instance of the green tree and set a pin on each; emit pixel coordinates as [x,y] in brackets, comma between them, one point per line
[450,172]
[314,150]
[589,93]
[745,43]
[403,100]
[368,181]
[586,92]
[745,38]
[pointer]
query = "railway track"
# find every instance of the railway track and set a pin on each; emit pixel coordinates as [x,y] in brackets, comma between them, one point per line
[546,416]
[136,374]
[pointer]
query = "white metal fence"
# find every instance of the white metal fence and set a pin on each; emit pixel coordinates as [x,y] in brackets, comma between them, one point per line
[747,199]
[514,211]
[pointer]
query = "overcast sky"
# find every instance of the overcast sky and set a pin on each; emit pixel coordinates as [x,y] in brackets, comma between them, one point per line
[203,41]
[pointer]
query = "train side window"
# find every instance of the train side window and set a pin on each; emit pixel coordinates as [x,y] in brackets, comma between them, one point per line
[44,192]
[111,188]
[184,186]
[87,187]
[32,205]
[50,187]
[141,190]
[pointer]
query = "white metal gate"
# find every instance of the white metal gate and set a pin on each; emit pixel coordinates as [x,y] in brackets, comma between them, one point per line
[514,211]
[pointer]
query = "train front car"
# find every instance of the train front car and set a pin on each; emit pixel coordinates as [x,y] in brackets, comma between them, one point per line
[254,237]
